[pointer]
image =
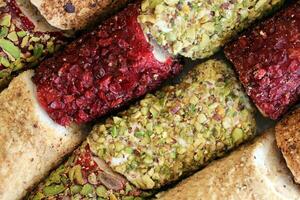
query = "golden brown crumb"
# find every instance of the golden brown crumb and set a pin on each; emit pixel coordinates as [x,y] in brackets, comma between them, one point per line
[75,14]
[288,140]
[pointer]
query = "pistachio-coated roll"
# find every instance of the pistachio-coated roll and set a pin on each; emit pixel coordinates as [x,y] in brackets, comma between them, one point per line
[25,39]
[198,28]
[165,136]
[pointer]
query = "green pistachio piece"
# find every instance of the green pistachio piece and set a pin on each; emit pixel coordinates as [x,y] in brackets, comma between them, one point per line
[21,33]
[114,131]
[38,50]
[78,175]
[5,20]
[38,196]
[50,47]
[52,190]
[25,41]
[92,178]
[10,48]
[4,73]
[87,189]
[18,64]
[35,39]
[75,189]
[76,197]
[237,135]
[128,198]
[139,134]
[101,191]
[4,61]
[112,197]
[3,31]
[13,36]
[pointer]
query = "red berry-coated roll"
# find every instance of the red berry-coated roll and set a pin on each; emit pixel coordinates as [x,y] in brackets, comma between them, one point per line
[267,59]
[102,70]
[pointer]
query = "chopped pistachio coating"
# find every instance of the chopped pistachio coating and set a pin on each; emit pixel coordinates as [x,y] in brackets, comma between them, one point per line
[177,130]
[20,46]
[84,176]
[198,28]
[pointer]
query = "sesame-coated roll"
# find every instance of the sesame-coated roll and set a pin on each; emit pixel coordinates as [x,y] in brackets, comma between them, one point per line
[267,59]
[165,136]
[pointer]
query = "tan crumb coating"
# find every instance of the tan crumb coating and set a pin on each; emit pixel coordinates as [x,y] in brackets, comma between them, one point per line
[178,129]
[30,142]
[288,140]
[75,14]
[256,171]
[197,28]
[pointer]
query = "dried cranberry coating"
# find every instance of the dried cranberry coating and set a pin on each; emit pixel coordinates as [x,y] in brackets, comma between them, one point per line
[101,71]
[267,59]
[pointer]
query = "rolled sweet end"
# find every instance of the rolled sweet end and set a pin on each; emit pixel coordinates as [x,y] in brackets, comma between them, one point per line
[178,129]
[31,143]
[255,171]
[267,59]
[75,14]
[84,175]
[101,71]
[167,135]
[22,44]
[197,29]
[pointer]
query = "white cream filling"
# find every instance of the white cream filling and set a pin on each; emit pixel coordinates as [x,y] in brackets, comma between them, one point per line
[40,112]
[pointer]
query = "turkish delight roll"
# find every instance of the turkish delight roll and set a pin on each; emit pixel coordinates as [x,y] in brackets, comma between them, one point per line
[25,39]
[267,59]
[165,136]
[197,28]
[102,70]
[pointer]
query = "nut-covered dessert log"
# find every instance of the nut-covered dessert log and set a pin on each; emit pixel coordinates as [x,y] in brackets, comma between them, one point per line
[267,59]
[198,28]
[165,136]
[102,70]
[255,171]
[25,38]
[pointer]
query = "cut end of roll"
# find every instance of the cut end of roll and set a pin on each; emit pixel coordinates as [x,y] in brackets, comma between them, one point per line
[31,143]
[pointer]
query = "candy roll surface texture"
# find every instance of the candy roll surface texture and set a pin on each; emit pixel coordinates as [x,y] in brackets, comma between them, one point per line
[75,14]
[197,28]
[267,59]
[102,70]
[31,144]
[166,135]
[255,171]
[25,39]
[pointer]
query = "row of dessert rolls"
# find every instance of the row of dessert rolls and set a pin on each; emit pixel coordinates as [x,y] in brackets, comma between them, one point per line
[167,135]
